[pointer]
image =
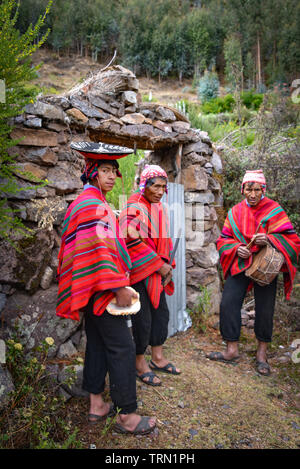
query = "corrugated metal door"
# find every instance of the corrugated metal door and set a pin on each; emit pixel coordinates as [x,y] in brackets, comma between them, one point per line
[179,318]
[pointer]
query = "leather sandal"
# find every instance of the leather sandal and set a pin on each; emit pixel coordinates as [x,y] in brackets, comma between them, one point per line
[150,381]
[263,368]
[219,357]
[165,369]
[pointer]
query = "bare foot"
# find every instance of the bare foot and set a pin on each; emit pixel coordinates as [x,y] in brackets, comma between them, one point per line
[130,421]
[98,409]
[261,353]
[231,351]
[230,355]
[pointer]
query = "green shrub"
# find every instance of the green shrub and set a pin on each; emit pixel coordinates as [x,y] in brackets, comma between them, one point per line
[219,125]
[125,186]
[219,105]
[252,100]
[214,106]
[208,87]
[200,312]
[16,72]
[34,417]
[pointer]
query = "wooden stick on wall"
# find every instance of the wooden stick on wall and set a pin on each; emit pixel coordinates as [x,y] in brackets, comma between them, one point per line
[178,158]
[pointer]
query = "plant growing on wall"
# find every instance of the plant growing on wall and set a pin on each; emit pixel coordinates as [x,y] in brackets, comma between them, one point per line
[16,71]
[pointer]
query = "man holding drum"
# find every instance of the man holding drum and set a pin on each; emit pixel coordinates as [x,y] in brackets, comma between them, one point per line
[94,267]
[249,226]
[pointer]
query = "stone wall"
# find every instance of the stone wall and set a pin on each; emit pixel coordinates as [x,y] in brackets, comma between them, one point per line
[106,107]
[199,165]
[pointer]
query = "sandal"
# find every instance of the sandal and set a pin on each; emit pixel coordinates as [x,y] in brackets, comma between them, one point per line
[165,368]
[151,376]
[263,368]
[219,357]
[142,428]
[94,418]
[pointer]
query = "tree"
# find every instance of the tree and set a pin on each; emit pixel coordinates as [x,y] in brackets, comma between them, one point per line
[16,71]
[198,40]
[233,58]
[181,52]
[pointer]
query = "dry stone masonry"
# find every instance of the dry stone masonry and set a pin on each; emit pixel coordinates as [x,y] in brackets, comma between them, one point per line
[106,107]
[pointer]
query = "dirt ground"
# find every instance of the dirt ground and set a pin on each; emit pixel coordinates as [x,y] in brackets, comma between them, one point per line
[210,405]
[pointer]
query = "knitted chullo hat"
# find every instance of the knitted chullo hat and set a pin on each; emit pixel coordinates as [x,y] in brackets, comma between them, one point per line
[254,176]
[150,172]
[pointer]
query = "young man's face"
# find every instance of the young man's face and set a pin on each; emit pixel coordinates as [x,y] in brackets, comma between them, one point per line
[107,174]
[155,192]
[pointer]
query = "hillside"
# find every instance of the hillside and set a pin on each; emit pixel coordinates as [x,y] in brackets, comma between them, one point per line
[60,74]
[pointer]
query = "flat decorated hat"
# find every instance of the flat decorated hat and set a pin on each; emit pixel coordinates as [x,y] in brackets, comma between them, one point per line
[100,151]
[96,153]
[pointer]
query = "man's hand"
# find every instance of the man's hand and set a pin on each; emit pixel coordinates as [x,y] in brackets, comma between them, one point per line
[165,270]
[243,252]
[124,296]
[167,279]
[261,239]
[166,273]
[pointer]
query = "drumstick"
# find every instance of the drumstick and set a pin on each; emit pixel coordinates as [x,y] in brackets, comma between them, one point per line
[252,240]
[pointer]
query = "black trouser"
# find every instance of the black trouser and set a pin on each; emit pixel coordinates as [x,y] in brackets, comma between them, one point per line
[110,348]
[235,289]
[149,325]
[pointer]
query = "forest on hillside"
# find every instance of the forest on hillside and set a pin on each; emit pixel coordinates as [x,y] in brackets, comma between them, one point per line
[241,58]
[178,38]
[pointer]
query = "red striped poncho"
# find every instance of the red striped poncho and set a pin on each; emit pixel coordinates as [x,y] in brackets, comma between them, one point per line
[241,224]
[93,258]
[146,229]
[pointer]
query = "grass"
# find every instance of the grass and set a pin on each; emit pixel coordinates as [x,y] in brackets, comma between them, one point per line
[219,126]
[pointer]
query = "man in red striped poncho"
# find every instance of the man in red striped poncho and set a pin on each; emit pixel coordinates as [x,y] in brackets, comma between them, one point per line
[144,223]
[94,267]
[240,227]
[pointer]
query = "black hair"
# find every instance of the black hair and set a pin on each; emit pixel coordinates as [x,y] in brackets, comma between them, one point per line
[250,184]
[99,163]
[151,181]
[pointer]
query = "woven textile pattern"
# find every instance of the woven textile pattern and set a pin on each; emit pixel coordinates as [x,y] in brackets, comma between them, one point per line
[146,228]
[93,258]
[241,224]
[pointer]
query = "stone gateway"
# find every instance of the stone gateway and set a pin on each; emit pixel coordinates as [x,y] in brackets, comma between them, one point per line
[107,107]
